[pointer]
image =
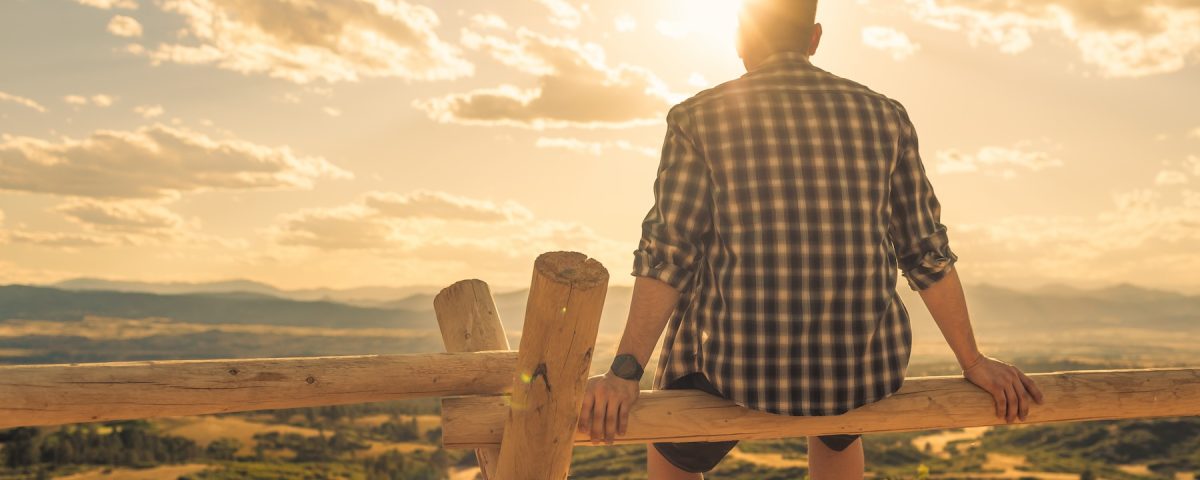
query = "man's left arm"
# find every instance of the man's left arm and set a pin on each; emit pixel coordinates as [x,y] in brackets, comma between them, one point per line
[672,243]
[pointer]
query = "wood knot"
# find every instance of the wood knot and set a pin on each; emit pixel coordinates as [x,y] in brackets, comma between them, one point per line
[233,371]
[310,380]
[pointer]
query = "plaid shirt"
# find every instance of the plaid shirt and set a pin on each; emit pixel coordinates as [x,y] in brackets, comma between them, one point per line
[786,201]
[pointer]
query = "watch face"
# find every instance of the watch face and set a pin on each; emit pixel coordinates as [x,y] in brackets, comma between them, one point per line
[625,366]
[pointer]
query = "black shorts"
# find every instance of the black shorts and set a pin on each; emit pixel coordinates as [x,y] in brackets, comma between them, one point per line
[697,457]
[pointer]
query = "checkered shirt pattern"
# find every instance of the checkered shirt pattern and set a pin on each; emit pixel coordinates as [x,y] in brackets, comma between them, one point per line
[786,201]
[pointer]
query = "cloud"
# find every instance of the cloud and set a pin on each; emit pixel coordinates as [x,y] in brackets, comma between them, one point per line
[442,231]
[302,42]
[576,88]
[562,13]
[1119,37]
[135,217]
[889,40]
[1146,237]
[99,100]
[625,23]
[999,161]
[68,241]
[489,20]
[1195,133]
[123,26]
[148,111]
[333,112]
[22,101]
[110,4]
[1170,177]
[597,149]
[155,161]
[440,205]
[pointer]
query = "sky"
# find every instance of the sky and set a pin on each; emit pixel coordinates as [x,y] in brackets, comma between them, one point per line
[343,143]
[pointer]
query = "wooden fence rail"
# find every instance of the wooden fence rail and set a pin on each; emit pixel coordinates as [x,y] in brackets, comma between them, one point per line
[518,409]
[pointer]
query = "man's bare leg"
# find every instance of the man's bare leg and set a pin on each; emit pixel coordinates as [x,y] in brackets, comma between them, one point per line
[659,468]
[825,463]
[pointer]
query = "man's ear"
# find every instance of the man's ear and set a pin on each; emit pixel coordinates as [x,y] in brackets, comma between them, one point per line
[815,41]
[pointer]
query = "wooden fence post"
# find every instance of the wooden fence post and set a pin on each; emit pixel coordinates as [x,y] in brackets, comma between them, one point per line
[562,318]
[467,315]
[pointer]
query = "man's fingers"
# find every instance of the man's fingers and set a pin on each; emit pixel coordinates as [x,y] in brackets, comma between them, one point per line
[998,401]
[1011,394]
[598,419]
[610,422]
[1023,400]
[1032,387]
[585,414]
[623,420]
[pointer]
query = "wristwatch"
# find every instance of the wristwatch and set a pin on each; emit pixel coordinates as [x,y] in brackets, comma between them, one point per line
[626,366]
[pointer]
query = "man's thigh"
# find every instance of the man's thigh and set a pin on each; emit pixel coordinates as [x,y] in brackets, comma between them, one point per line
[695,457]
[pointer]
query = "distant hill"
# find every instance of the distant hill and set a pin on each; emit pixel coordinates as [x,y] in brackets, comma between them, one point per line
[368,296]
[44,303]
[995,311]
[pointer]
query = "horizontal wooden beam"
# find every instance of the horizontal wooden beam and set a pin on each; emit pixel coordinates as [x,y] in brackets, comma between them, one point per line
[922,403]
[59,394]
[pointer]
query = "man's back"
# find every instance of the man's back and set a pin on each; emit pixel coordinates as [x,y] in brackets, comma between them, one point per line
[785,203]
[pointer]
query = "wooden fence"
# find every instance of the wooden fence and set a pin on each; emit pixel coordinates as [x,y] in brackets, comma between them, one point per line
[518,409]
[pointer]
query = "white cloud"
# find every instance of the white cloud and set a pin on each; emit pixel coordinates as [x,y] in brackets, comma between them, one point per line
[489,20]
[1119,37]
[597,149]
[1147,237]
[1170,177]
[698,80]
[129,216]
[671,29]
[148,111]
[333,112]
[1192,164]
[990,160]
[152,162]
[123,26]
[576,88]
[625,23]
[889,40]
[444,231]
[110,4]
[68,241]
[441,205]
[562,13]
[99,100]
[102,100]
[302,42]
[19,100]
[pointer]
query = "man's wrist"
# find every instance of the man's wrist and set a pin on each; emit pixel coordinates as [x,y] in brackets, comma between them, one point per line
[973,362]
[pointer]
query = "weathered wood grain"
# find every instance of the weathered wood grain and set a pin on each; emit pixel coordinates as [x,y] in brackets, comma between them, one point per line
[922,403]
[557,339]
[59,394]
[470,322]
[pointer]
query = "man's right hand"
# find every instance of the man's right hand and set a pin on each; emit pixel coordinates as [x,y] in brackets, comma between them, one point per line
[1011,389]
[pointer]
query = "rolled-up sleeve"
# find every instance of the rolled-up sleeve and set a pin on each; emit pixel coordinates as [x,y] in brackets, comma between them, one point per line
[674,230]
[921,244]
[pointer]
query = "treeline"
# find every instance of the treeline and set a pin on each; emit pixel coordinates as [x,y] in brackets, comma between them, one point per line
[317,417]
[126,443]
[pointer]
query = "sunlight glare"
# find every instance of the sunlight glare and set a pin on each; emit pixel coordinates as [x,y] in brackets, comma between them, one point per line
[712,22]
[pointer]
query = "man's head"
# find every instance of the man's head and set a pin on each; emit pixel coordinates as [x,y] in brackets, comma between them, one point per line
[770,26]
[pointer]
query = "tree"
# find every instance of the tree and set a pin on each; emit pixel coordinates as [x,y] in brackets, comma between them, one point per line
[224,448]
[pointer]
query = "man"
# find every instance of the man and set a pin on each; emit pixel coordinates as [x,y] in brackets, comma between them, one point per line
[786,201]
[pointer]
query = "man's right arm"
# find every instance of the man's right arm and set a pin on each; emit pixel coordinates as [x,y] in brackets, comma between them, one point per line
[923,250]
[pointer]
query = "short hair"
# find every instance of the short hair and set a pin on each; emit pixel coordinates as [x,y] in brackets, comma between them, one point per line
[781,25]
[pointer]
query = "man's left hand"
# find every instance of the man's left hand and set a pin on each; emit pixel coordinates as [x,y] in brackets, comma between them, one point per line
[607,400]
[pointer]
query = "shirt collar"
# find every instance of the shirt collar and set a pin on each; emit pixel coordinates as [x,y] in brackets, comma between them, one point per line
[781,58]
